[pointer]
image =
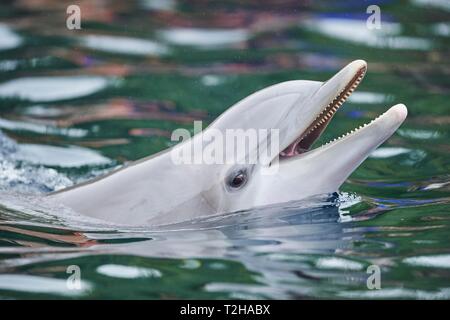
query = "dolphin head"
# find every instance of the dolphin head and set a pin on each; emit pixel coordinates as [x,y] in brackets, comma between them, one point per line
[291,115]
[299,111]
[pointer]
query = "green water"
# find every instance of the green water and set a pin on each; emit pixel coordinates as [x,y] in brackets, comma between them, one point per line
[78,103]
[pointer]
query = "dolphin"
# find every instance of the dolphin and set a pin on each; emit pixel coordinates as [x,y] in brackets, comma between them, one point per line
[158,190]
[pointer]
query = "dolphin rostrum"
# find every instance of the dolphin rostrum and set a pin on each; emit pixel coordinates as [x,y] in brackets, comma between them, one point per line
[158,190]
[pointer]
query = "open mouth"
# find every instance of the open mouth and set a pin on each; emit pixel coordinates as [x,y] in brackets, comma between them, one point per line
[304,142]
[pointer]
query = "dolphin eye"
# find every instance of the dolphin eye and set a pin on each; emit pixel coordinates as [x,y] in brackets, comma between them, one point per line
[238,179]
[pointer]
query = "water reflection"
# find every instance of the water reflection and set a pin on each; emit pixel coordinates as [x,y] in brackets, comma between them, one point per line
[356,31]
[124,45]
[274,243]
[441,261]
[8,39]
[46,89]
[370,98]
[62,157]
[43,285]
[388,152]
[439,4]
[204,38]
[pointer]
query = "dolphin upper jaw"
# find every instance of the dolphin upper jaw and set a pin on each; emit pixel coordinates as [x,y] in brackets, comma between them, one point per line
[315,116]
[323,105]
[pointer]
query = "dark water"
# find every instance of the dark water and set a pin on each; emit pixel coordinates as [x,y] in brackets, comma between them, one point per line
[76,104]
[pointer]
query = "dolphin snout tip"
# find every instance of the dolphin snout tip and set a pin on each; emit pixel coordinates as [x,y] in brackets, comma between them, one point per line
[399,111]
[359,64]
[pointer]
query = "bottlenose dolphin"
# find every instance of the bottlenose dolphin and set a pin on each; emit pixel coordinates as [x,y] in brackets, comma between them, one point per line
[157,190]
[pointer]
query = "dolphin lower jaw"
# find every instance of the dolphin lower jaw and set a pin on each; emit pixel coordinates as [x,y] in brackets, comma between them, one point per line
[341,156]
[304,142]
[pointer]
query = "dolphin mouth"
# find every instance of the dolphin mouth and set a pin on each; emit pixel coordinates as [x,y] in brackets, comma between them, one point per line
[303,143]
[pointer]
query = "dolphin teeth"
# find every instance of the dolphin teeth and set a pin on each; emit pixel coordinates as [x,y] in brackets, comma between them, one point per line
[331,108]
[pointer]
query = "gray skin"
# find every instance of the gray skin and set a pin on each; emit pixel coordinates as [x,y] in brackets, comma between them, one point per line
[156,190]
